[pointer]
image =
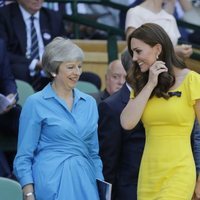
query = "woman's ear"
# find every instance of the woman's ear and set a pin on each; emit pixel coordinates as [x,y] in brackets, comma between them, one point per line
[53,74]
[158,50]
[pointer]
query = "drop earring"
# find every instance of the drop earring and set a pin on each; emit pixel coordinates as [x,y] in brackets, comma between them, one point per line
[53,75]
[157,57]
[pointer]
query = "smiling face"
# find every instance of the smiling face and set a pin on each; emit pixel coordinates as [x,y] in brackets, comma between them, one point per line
[68,74]
[144,54]
[32,6]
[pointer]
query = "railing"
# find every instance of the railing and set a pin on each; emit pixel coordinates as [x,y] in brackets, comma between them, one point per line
[111,31]
[196,54]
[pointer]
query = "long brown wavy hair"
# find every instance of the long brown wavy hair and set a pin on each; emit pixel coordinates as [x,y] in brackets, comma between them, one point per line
[153,34]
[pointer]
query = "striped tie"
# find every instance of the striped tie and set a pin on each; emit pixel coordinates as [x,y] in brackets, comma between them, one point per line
[34,40]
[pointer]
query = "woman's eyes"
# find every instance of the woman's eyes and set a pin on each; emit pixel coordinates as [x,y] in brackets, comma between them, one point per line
[73,66]
[70,67]
[138,51]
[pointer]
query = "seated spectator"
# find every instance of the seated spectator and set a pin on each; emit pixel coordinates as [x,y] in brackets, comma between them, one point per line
[105,14]
[101,13]
[178,8]
[27,28]
[9,117]
[152,11]
[115,78]
[122,14]
[193,16]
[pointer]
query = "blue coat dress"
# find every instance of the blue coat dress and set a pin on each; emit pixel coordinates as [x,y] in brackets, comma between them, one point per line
[58,148]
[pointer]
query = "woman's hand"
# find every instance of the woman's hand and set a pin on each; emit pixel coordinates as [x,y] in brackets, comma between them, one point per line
[157,68]
[12,99]
[184,50]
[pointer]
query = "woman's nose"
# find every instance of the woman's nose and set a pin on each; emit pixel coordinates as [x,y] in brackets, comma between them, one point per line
[134,57]
[77,70]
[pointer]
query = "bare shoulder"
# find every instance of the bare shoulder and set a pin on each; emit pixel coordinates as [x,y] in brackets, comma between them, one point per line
[185,71]
[181,73]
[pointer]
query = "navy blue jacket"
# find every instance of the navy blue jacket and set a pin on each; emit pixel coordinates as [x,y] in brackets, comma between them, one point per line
[10,120]
[120,150]
[13,31]
[7,81]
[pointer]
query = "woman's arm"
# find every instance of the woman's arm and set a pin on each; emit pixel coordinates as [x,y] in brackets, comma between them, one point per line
[183,50]
[186,5]
[28,139]
[129,31]
[94,143]
[132,113]
[169,6]
[28,192]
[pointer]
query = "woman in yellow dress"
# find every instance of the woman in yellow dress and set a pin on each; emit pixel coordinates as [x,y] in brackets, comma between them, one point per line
[166,98]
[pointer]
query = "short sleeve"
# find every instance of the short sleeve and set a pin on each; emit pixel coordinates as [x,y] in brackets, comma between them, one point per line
[132,95]
[194,87]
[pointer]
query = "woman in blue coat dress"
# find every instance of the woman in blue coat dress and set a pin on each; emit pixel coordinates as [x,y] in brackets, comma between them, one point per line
[57,156]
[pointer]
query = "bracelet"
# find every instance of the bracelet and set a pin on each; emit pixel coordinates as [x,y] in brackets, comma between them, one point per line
[28,194]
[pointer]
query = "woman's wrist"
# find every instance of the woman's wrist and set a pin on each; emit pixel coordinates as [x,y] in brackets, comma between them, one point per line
[150,86]
[28,194]
[28,191]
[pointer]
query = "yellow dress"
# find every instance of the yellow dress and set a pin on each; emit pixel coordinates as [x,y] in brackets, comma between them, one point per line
[167,169]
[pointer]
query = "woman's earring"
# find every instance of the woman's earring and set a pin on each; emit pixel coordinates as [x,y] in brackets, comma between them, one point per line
[53,75]
[157,57]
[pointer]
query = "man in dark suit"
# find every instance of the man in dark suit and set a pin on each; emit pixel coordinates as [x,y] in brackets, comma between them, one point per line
[15,29]
[114,79]
[9,117]
[120,150]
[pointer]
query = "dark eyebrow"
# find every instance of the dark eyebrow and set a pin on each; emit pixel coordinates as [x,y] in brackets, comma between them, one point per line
[134,49]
